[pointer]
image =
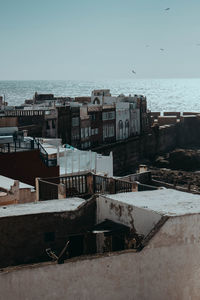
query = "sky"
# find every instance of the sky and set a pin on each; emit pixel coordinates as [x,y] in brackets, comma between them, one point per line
[99,39]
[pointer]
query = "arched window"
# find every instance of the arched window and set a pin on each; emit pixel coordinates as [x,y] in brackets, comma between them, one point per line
[126,128]
[120,126]
[96,101]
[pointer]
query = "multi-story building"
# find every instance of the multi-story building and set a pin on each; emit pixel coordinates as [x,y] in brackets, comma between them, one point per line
[109,123]
[75,126]
[122,120]
[99,96]
[85,128]
[95,114]
[64,124]
[51,120]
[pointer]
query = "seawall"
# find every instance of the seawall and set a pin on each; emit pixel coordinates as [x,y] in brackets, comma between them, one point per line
[128,154]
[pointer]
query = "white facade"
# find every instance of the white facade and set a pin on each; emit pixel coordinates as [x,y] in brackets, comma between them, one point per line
[72,160]
[122,121]
[75,161]
[134,120]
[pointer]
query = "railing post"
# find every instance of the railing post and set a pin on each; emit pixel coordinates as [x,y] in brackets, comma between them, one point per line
[135,186]
[112,186]
[90,187]
[61,191]
[37,188]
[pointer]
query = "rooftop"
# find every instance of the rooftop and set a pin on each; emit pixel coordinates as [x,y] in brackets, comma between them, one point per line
[6,183]
[164,201]
[51,206]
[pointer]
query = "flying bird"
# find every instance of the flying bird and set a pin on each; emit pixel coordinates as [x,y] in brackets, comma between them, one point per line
[168,8]
[133,72]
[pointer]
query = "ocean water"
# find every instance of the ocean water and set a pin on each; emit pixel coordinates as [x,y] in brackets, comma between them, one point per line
[162,94]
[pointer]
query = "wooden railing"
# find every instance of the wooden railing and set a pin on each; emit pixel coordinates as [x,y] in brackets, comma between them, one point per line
[83,185]
[47,190]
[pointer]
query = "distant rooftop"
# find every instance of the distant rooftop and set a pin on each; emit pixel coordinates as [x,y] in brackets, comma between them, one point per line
[164,201]
[6,183]
[51,206]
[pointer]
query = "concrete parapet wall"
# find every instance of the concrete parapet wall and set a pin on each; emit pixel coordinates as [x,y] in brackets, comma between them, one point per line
[167,120]
[171,113]
[167,268]
[128,154]
[190,113]
[155,114]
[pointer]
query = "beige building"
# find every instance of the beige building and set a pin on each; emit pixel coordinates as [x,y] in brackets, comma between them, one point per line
[165,265]
[15,192]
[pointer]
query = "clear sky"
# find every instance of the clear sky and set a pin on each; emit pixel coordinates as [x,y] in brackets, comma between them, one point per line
[99,39]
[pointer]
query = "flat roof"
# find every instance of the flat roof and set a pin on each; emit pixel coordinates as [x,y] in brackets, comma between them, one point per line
[164,201]
[6,183]
[40,207]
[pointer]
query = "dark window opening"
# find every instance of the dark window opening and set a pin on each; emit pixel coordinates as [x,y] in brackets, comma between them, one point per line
[53,124]
[49,236]
[76,247]
[117,242]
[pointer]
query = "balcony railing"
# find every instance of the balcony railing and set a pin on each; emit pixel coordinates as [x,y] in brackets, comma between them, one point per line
[82,185]
[27,145]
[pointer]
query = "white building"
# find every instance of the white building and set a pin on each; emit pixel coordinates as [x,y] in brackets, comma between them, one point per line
[122,121]
[72,160]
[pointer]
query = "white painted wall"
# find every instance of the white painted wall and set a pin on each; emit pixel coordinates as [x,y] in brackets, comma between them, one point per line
[74,161]
[122,117]
[104,165]
[142,220]
[134,121]
[168,268]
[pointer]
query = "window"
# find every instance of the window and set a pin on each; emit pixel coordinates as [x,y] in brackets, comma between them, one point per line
[105,116]
[75,121]
[111,115]
[96,130]
[120,126]
[47,125]
[111,131]
[49,236]
[82,133]
[93,131]
[53,123]
[86,131]
[126,128]
[93,117]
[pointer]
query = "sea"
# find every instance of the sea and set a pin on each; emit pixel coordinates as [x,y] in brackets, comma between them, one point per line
[162,94]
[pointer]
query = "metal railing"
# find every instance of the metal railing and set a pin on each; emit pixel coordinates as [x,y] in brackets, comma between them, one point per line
[27,145]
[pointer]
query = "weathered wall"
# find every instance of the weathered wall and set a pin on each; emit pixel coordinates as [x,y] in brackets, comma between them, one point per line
[20,196]
[23,237]
[168,268]
[129,153]
[138,219]
[25,166]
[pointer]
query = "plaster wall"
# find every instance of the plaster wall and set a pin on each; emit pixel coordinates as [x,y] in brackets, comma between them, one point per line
[104,165]
[122,120]
[168,268]
[140,220]
[134,121]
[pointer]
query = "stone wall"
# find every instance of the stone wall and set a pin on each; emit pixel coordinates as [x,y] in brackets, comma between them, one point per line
[128,154]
